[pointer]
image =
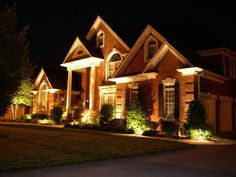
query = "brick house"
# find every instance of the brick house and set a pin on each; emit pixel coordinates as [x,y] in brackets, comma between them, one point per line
[50,90]
[155,71]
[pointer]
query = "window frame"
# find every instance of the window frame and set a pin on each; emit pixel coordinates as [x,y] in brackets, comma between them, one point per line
[99,42]
[169,85]
[147,57]
[114,64]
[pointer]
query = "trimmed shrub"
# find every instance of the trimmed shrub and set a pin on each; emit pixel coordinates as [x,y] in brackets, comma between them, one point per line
[153,125]
[202,132]
[106,114]
[150,133]
[136,118]
[196,113]
[56,114]
[196,126]
[117,123]
[170,127]
[40,116]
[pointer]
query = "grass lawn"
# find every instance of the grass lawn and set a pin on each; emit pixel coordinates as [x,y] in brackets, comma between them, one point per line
[26,146]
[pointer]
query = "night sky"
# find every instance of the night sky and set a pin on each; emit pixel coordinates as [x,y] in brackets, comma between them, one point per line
[53,25]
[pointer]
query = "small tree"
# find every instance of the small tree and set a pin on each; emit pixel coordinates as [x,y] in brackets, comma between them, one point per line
[196,126]
[106,113]
[136,118]
[196,113]
[23,96]
[56,114]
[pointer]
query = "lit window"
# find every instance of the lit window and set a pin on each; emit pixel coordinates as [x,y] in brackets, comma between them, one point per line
[108,96]
[133,92]
[169,101]
[152,48]
[113,64]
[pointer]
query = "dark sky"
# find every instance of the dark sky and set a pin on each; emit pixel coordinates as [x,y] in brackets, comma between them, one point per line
[55,24]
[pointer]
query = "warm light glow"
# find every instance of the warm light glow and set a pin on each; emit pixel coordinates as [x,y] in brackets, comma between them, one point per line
[52,90]
[92,87]
[82,63]
[88,117]
[200,134]
[34,92]
[45,121]
[74,122]
[190,71]
[118,113]
[135,78]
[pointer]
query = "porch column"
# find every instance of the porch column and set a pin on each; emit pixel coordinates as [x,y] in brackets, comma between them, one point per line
[69,87]
[91,87]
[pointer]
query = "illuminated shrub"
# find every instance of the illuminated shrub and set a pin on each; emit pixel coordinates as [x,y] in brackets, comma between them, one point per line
[89,117]
[196,126]
[136,119]
[200,134]
[45,121]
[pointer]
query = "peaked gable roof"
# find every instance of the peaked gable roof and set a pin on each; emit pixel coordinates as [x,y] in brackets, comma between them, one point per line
[161,53]
[76,51]
[137,46]
[178,47]
[57,79]
[94,27]
[40,76]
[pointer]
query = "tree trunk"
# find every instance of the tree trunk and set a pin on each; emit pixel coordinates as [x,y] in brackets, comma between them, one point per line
[14,109]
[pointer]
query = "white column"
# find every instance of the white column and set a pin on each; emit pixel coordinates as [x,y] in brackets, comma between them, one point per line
[91,87]
[69,87]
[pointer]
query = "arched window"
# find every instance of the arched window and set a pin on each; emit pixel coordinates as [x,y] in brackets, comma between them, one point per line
[113,63]
[151,48]
[115,57]
[100,39]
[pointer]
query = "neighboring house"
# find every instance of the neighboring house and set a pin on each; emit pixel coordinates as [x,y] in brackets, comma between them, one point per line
[50,90]
[22,110]
[162,75]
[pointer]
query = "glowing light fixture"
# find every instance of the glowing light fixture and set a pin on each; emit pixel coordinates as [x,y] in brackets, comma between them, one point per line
[190,71]
[83,63]
[52,90]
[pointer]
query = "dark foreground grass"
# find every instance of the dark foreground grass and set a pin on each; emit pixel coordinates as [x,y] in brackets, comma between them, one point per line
[24,147]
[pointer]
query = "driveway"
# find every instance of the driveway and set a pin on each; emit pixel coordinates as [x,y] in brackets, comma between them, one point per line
[209,160]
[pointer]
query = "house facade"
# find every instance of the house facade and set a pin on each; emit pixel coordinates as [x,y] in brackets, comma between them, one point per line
[153,72]
[50,90]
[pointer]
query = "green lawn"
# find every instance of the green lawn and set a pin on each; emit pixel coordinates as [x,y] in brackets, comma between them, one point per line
[24,146]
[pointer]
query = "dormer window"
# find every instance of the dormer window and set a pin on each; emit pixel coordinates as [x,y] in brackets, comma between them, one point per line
[80,52]
[100,39]
[151,47]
